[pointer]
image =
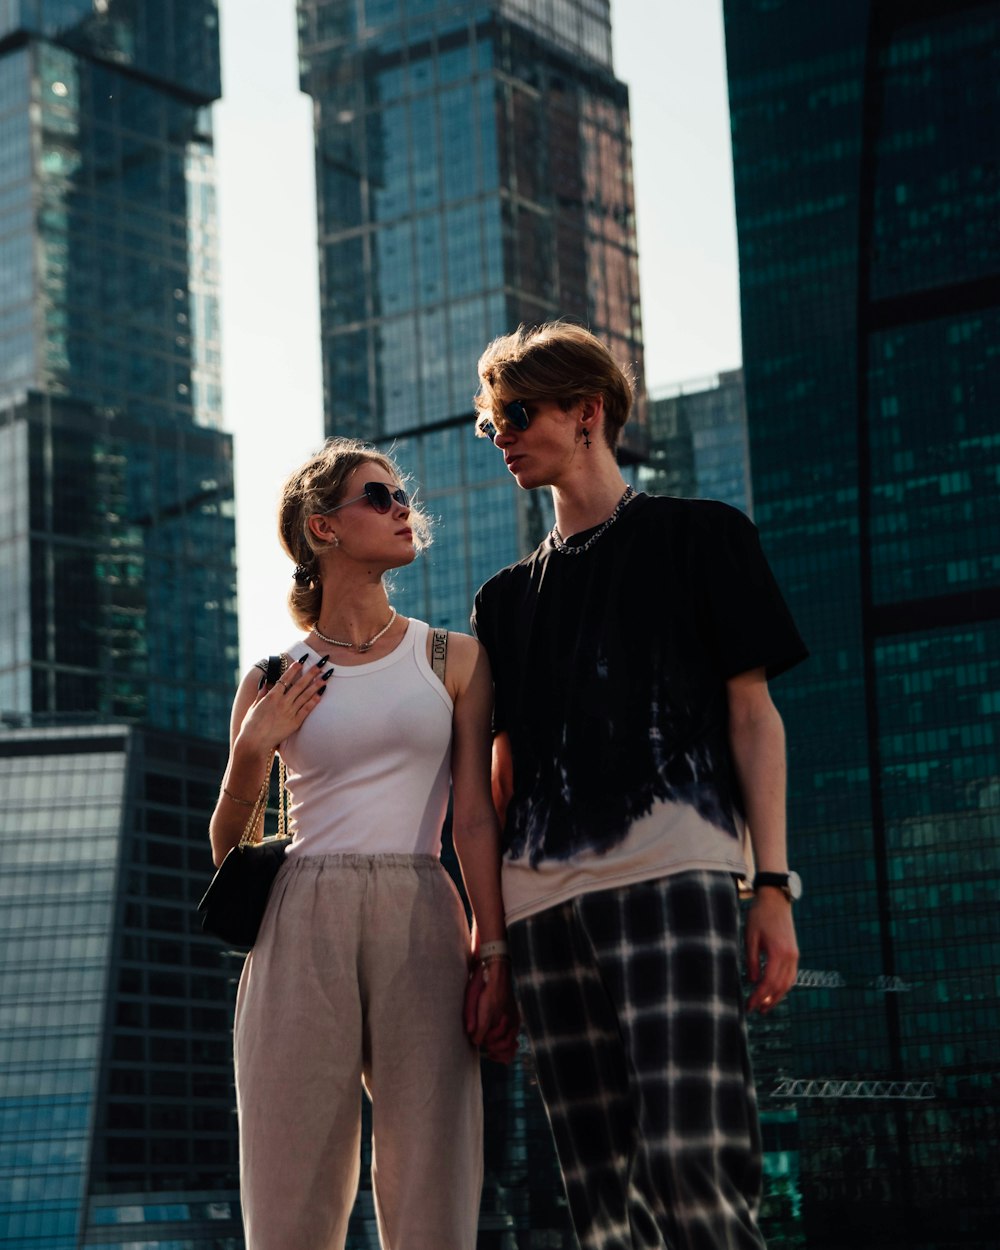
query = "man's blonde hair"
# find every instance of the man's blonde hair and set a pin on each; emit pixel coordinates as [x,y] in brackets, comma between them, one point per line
[558,361]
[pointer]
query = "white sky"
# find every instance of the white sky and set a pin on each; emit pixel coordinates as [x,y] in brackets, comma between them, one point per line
[671,54]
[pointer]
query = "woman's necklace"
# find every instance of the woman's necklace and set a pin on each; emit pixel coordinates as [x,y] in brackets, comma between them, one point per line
[560,543]
[359,646]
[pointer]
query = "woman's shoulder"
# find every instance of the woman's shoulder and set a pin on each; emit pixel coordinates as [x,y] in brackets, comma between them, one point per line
[462,654]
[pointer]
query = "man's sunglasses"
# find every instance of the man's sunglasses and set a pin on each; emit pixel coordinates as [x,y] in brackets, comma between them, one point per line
[379,496]
[514,413]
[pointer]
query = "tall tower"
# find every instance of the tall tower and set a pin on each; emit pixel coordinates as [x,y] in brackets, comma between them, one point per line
[698,442]
[117,581]
[117,631]
[865,141]
[474,171]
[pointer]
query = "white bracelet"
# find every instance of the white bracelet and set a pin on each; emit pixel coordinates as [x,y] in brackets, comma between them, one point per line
[493,948]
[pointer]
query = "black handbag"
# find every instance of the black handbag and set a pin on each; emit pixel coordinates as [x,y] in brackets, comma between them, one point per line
[233,905]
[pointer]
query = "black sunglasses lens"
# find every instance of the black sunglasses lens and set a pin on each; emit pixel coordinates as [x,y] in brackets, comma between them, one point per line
[380,496]
[516,414]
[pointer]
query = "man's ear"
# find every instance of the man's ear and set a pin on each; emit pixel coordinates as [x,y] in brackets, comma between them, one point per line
[593,408]
[592,411]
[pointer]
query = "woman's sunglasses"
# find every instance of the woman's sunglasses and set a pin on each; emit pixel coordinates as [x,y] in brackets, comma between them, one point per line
[514,413]
[379,496]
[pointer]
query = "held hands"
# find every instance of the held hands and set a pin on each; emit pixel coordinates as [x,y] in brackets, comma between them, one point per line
[279,710]
[772,951]
[492,1020]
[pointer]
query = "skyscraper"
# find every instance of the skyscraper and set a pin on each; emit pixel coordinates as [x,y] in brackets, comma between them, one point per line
[865,142]
[117,1122]
[117,583]
[698,442]
[473,172]
[117,630]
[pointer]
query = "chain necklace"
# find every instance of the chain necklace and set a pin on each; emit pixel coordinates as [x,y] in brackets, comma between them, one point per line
[359,646]
[560,544]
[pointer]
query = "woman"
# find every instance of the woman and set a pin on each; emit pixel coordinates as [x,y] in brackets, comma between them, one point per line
[361,968]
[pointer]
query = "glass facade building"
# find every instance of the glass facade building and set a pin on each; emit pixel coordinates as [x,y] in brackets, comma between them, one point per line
[116,1098]
[118,637]
[473,172]
[698,442]
[866,140]
[117,518]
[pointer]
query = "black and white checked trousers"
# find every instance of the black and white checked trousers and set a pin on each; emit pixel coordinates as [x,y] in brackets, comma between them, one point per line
[633,1005]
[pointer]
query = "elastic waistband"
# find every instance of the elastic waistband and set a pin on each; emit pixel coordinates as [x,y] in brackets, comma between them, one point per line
[391,859]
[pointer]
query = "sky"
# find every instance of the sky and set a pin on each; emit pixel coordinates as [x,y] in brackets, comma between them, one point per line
[669,52]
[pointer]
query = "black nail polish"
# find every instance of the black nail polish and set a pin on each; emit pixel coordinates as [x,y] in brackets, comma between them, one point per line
[321,690]
[321,661]
[328,674]
[302,658]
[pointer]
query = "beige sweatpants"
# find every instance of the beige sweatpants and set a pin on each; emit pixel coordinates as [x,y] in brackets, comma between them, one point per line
[358,974]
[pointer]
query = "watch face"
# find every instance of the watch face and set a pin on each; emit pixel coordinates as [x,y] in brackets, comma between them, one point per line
[794,885]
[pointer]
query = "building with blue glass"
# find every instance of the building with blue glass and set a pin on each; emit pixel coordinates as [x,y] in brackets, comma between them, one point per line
[116,1101]
[474,171]
[117,579]
[697,445]
[118,644]
[866,139]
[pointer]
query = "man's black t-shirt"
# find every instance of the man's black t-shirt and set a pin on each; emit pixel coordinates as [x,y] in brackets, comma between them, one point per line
[610,668]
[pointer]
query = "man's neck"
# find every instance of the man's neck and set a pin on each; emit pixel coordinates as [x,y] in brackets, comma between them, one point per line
[586,501]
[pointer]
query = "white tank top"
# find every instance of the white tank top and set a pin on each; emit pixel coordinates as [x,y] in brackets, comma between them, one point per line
[369,769]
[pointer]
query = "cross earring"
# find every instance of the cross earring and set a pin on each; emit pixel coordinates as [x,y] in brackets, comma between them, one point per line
[586,437]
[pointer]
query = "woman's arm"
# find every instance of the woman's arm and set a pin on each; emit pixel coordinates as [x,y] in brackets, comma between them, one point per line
[491,1016]
[260,720]
[757,742]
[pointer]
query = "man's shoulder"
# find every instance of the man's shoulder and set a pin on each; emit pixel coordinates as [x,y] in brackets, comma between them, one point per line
[690,518]
[511,575]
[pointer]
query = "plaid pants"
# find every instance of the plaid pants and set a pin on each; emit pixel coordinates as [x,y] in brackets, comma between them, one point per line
[633,1005]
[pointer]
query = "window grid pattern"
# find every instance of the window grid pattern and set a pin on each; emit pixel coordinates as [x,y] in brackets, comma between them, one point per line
[62,818]
[881,526]
[471,177]
[116,1060]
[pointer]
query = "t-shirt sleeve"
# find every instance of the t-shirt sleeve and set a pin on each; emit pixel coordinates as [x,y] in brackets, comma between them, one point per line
[744,615]
[483,621]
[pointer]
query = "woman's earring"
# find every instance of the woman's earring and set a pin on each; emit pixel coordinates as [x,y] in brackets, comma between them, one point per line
[335,542]
[586,436]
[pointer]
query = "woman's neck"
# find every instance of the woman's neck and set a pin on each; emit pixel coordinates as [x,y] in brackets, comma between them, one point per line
[353,613]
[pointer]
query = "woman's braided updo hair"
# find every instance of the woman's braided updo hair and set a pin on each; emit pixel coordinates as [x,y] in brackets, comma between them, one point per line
[316,487]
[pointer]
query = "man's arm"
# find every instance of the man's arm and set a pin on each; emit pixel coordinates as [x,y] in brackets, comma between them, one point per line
[757,741]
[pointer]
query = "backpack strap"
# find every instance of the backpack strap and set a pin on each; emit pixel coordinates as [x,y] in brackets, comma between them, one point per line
[439,653]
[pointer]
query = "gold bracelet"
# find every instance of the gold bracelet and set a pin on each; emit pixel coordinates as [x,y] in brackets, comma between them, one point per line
[242,802]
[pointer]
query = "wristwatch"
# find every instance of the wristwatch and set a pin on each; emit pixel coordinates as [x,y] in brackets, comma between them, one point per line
[789,883]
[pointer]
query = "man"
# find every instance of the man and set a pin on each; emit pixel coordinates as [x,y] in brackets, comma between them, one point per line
[635,743]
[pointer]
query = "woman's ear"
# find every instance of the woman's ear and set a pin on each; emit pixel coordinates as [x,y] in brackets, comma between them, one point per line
[321,528]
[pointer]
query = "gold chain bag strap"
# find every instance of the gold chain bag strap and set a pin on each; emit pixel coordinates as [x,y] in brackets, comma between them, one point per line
[232,907]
